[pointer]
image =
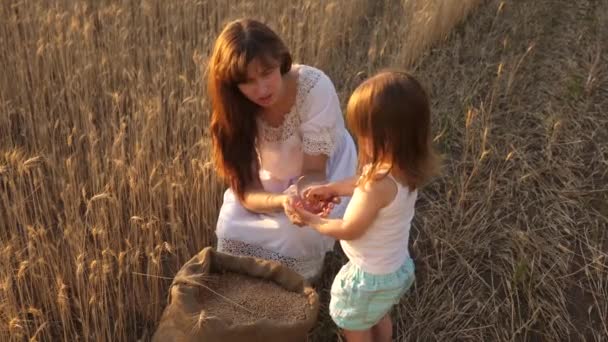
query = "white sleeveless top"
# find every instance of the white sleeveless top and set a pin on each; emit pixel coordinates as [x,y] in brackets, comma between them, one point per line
[383,248]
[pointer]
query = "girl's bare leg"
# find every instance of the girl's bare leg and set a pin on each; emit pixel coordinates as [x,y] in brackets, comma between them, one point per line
[383,330]
[358,335]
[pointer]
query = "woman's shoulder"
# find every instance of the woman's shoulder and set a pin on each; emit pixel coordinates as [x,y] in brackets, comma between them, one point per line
[313,80]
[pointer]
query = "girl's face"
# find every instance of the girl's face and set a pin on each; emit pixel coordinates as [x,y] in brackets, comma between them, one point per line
[264,84]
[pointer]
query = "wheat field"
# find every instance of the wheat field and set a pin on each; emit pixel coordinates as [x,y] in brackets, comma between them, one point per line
[106,187]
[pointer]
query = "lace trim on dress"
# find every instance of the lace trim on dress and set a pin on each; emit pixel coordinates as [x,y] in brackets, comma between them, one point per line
[307,79]
[320,143]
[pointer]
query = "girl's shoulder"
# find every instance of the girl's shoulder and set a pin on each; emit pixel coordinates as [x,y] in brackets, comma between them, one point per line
[381,186]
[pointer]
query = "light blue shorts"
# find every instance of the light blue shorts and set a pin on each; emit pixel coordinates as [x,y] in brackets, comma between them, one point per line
[359,299]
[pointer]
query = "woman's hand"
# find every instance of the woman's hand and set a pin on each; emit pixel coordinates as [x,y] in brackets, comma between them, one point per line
[302,212]
[299,215]
[289,204]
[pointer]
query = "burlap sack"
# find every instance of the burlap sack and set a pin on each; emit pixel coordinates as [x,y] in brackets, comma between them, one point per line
[184,317]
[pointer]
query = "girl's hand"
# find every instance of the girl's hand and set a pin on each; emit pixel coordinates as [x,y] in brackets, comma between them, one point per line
[320,208]
[321,193]
[319,200]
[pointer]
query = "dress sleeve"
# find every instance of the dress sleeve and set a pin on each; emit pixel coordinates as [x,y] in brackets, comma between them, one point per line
[321,117]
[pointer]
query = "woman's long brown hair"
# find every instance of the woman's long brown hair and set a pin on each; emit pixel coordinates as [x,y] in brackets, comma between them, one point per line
[233,124]
[392,110]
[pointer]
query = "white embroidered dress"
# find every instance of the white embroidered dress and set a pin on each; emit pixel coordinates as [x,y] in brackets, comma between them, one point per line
[314,125]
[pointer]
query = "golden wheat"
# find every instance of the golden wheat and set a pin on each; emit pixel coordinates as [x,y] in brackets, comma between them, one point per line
[106,187]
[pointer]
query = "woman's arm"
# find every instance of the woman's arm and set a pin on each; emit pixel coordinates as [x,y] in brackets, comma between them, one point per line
[262,202]
[313,170]
[257,200]
[321,120]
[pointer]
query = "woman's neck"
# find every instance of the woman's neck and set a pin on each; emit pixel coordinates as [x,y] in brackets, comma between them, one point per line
[286,99]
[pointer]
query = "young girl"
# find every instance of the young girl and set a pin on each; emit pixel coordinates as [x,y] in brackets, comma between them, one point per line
[390,116]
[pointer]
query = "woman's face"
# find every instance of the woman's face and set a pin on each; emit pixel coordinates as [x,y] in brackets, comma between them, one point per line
[264,84]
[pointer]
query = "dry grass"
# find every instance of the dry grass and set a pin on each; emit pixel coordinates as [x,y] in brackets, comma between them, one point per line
[106,189]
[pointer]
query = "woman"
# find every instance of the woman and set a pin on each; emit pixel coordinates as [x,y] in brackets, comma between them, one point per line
[272,122]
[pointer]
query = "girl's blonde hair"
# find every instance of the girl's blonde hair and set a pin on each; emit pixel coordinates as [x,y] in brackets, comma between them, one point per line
[391,110]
